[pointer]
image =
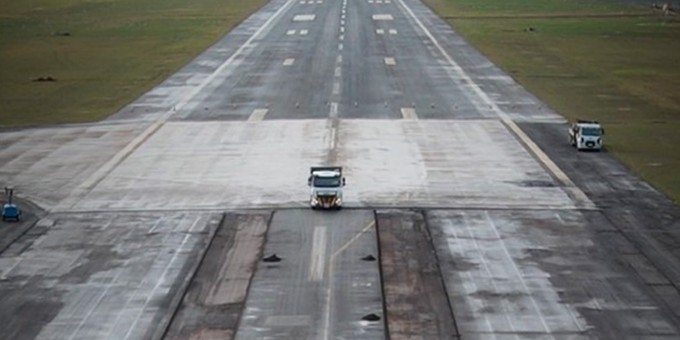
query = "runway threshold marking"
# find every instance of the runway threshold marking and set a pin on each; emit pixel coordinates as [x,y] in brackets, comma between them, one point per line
[257,115]
[331,269]
[318,256]
[86,186]
[577,195]
[409,113]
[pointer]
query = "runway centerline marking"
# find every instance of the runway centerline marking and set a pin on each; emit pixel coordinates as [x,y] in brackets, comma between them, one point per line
[257,115]
[409,113]
[331,269]
[318,256]
[288,62]
[577,195]
[304,17]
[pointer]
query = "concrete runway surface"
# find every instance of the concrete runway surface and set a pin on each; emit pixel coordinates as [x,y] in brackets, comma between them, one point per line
[468,215]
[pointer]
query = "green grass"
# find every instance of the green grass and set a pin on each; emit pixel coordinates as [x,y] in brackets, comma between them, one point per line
[115,52]
[590,59]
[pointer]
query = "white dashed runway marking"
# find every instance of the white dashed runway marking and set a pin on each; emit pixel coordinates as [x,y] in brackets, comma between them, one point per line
[380,31]
[409,113]
[303,32]
[382,17]
[393,31]
[304,17]
[290,32]
[257,115]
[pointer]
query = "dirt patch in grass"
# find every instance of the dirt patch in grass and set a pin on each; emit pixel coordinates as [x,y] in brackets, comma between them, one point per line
[605,60]
[100,54]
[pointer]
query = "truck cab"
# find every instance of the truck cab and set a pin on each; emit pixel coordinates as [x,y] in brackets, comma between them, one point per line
[586,135]
[326,183]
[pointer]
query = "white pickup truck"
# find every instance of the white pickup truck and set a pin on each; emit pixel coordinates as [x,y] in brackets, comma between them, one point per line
[586,135]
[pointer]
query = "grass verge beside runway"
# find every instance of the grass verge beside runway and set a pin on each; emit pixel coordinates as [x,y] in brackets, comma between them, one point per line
[102,54]
[590,59]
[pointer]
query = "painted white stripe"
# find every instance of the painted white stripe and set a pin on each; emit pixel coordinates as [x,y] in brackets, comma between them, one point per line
[303,32]
[409,113]
[338,59]
[577,195]
[343,17]
[382,17]
[304,17]
[342,29]
[257,115]
[290,32]
[378,2]
[340,47]
[390,61]
[289,62]
[334,110]
[319,2]
[380,31]
[342,22]
[303,2]
[370,1]
[343,11]
[338,71]
[318,256]
[342,37]
[393,31]
[336,88]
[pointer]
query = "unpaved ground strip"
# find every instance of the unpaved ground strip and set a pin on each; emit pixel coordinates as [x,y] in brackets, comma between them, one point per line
[213,303]
[415,298]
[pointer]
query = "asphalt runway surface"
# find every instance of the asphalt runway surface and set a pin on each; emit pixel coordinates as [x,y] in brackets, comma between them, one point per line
[468,215]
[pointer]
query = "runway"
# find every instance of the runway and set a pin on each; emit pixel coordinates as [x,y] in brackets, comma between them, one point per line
[467,214]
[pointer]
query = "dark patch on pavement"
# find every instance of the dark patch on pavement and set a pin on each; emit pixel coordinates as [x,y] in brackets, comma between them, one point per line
[209,309]
[416,302]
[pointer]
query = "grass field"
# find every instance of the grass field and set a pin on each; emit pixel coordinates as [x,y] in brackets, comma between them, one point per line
[591,59]
[102,53]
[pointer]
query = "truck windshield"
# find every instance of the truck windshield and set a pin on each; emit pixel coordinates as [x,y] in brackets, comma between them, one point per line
[590,131]
[326,182]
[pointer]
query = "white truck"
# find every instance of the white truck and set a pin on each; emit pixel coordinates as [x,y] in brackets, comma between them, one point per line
[325,184]
[586,135]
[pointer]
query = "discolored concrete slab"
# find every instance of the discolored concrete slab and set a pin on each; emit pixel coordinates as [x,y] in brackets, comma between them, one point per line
[216,296]
[541,273]
[101,276]
[416,301]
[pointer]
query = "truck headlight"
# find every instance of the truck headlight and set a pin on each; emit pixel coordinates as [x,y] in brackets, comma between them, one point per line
[338,200]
